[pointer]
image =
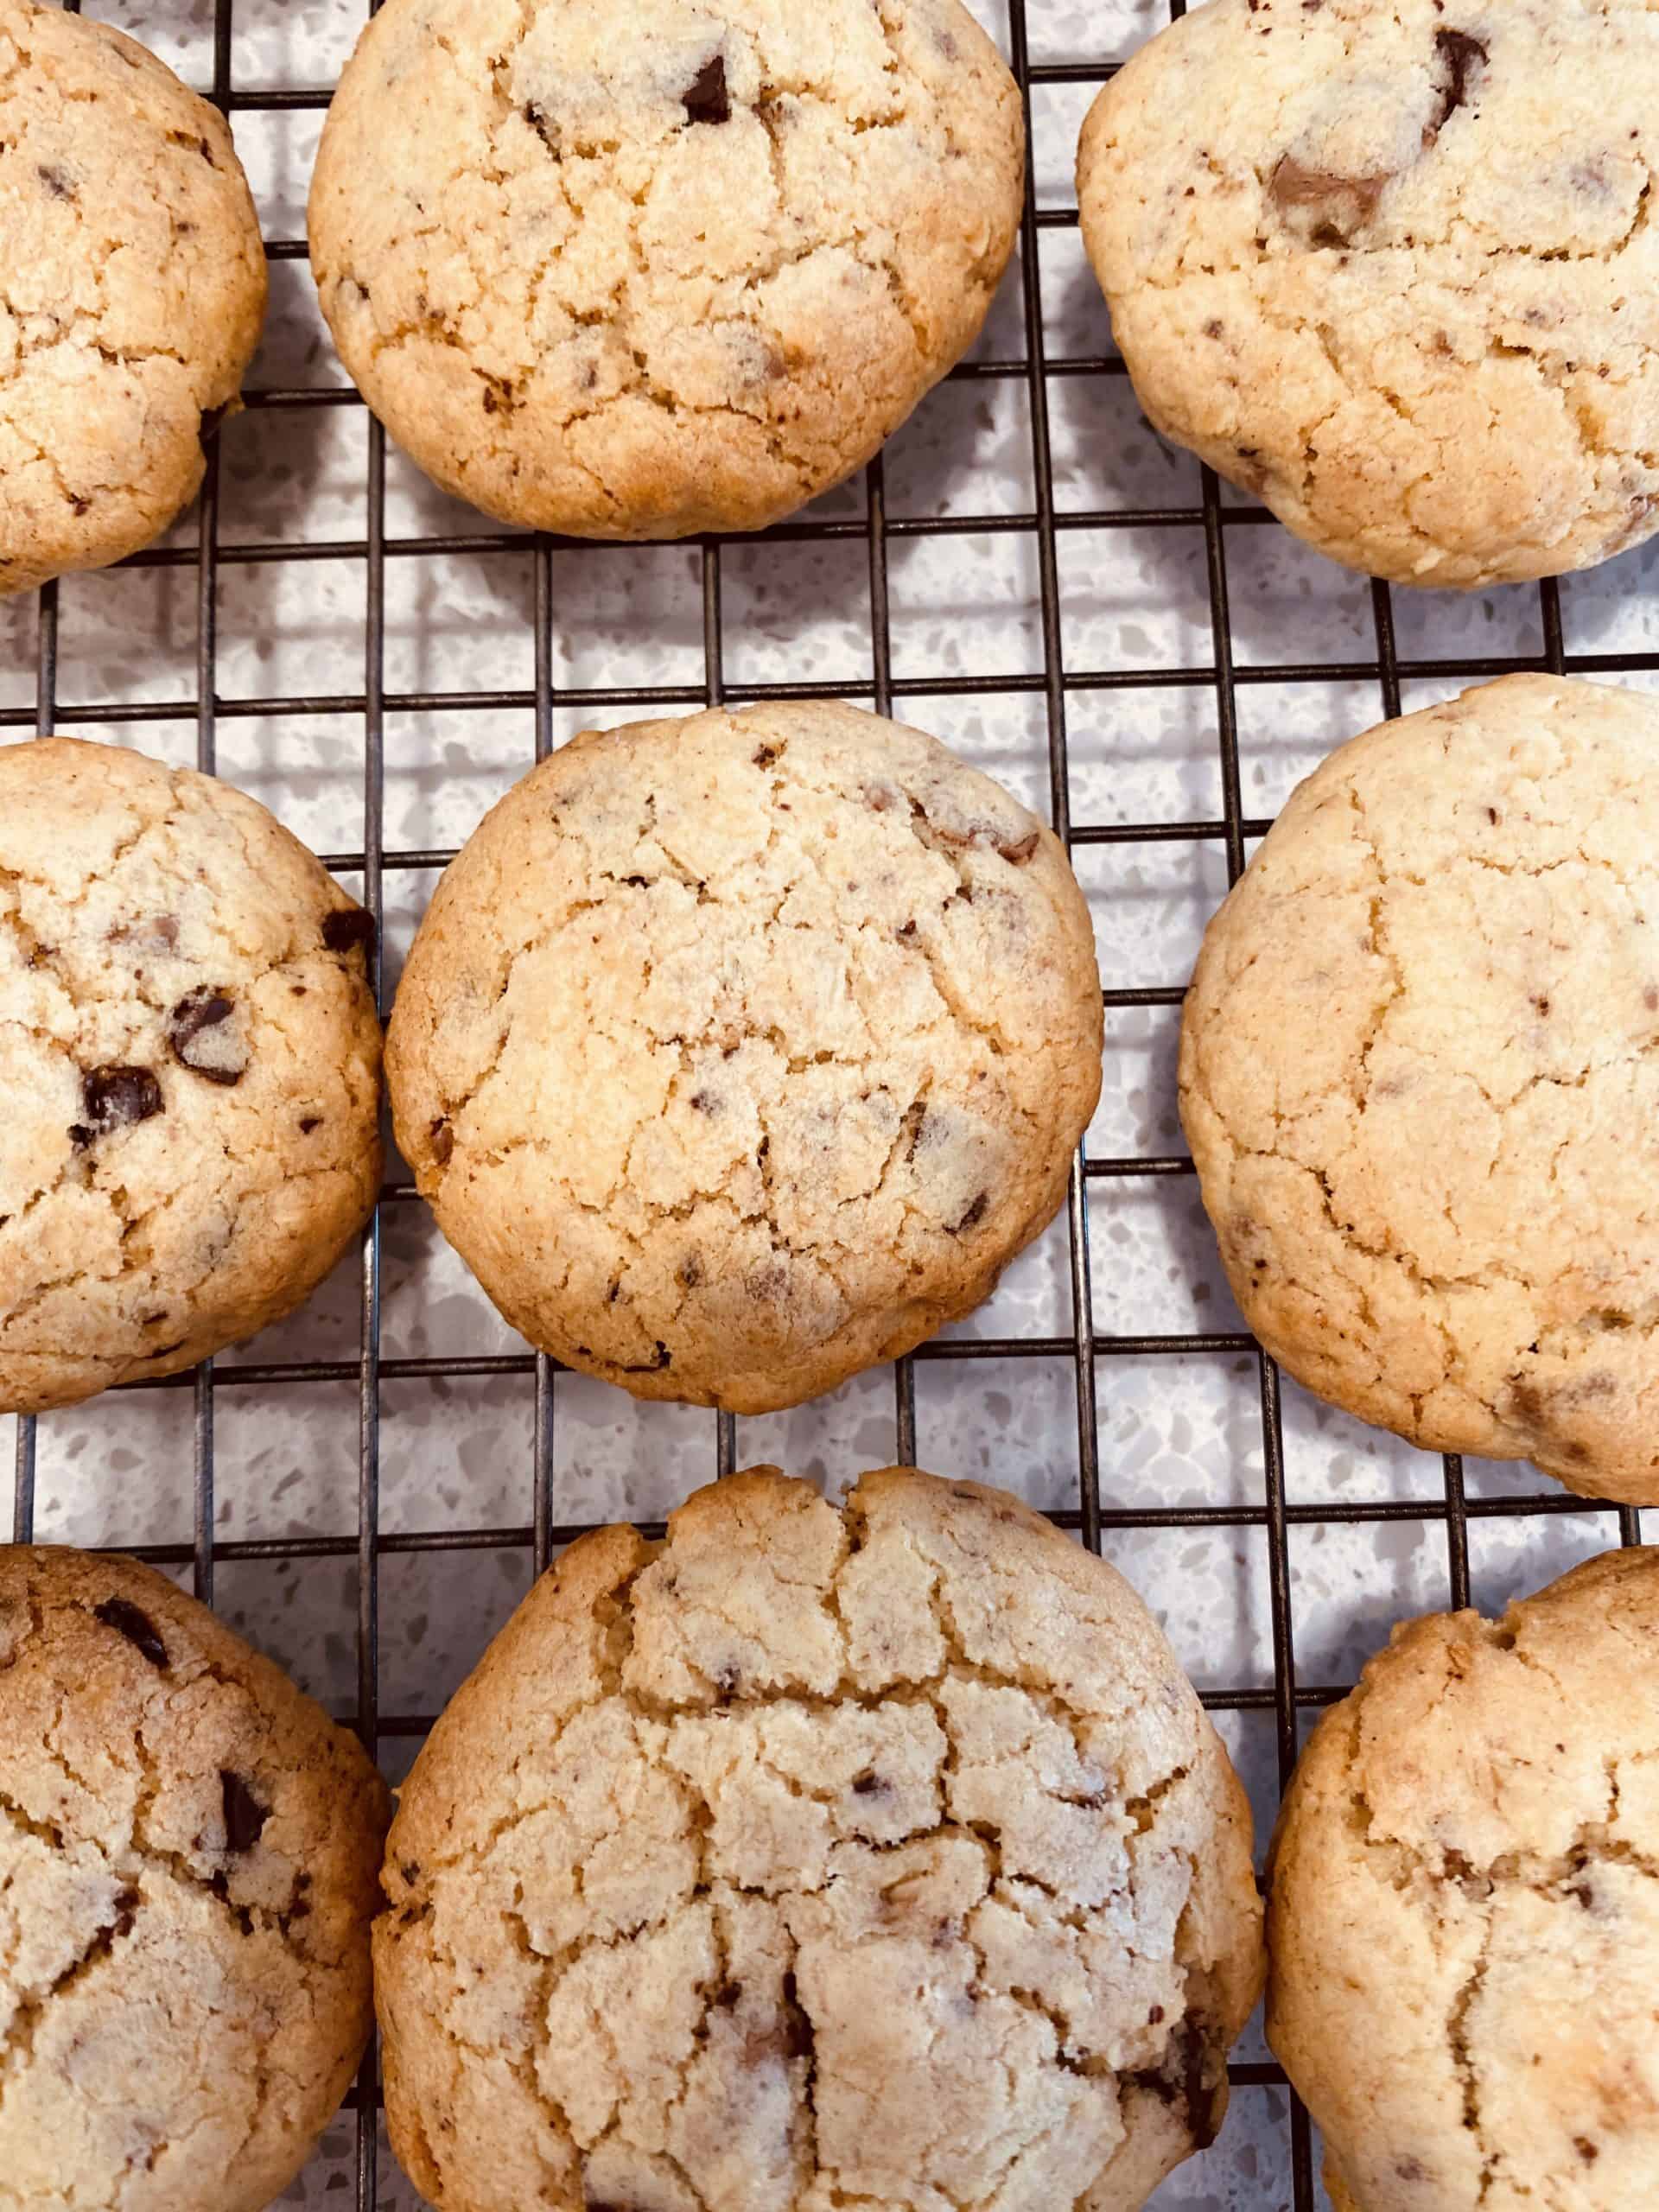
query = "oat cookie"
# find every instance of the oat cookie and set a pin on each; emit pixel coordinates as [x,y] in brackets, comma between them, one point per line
[1464,1916]
[188,1858]
[189,1070]
[132,290]
[737,1054]
[639,272]
[1419,1075]
[1391,269]
[880,1857]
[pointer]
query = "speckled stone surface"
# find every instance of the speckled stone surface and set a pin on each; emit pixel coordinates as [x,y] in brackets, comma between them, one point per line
[1174,1429]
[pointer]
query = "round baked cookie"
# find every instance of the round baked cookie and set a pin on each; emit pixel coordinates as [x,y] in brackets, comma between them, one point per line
[739,1053]
[189,1070]
[1419,1076]
[680,266]
[881,1856]
[1391,269]
[1465,1919]
[188,1849]
[132,291]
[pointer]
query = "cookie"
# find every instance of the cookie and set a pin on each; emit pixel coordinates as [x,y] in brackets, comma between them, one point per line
[189,1070]
[1419,1076]
[1464,1917]
[188,1849]
[637,273]
[132,291]
[739,1053]
[1390,268]
[882,1856]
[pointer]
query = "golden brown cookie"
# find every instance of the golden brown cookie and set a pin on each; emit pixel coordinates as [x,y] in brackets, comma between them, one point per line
[132,291]
[637,272]
[187,1859]
[1464,1917]
[882,1857]
[1419,1075]
[1365,265]
[739,1053]
[190,1069]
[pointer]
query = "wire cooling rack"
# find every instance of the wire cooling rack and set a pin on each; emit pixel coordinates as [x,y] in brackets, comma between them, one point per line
[1262,1512]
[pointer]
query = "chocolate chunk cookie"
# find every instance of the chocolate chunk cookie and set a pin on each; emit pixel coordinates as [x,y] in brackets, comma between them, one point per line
[132,290]
[1419,1075]
[739,1053]
[1465,1916]
[189,1070]
[635,272]
[187,1859]
[880,1857]
[1392,268]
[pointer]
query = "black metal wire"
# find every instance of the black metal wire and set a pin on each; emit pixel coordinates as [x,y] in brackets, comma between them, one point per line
[1096,1516]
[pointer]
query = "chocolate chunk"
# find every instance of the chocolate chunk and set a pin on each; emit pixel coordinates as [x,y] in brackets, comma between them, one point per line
[974,1214]
[704,1101]
[55,179]
[1184,2080]
[443,1141]
[689,1273]
[345,931]
[1587,2150]
[725,1998]
[1321,207]
[765,755]
[708,100]
[124,1617]
[1020,853]
[870,1784]
[126,1910]
[660,1358]
[244,1816]
[1458,57]
[309,1122]
[536,117]
[114,1098]
[191,1031]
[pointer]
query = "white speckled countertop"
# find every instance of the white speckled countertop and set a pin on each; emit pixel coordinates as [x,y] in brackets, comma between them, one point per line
[1174,1429]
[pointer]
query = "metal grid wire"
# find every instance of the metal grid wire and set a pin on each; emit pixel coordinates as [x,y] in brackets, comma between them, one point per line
[1085,1347]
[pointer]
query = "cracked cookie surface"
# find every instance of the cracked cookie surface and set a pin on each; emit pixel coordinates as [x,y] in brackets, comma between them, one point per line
[880,1856]
[1394,270]
[132,291]
[190,1069]
[188,1849]
[1465,1915]
[1419,1076]
[737,1054]
[644,272]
